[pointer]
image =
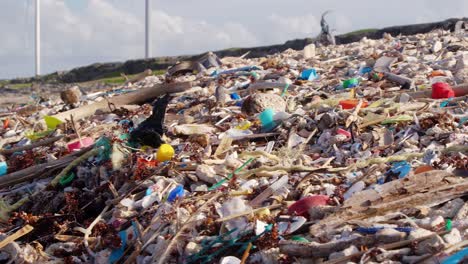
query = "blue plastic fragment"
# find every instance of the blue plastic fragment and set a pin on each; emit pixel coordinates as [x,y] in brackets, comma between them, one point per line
[365,70]
[373,230]
[266,118]
[235,96]
[456,258]
[177,192]
[116,254]
[446,102]
[148,192]
[246,68]
[462,121]
[309,75]
[124,122]
[401,168]
[381,180]
[3,168]
[105,148]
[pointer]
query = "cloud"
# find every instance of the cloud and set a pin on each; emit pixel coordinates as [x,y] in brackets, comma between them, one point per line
[175,35]
[113,30]
[102,32]
[289,27]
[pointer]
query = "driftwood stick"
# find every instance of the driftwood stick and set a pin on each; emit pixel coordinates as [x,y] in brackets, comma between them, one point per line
[22,232]
[136,97]
[274,206]
[88,230]
[460,90]
[313,249]
[35,171]
[161,258]
[390,246]
[31,146]
[73,164]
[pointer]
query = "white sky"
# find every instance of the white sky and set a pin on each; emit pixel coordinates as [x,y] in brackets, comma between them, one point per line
[81,32]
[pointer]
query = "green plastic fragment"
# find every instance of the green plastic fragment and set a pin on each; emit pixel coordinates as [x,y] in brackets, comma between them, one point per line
[397,119]
[105,148]
[224,242]
[299,238]
[64,181]
[217,185]
[38,135]
[285,90]
[448,224]
[124,136]
[52,122]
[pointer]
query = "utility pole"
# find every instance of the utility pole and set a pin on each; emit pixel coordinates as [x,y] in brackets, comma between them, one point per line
[148,29]
[38,38]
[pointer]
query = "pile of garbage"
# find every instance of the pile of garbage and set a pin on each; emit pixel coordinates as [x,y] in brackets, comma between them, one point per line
[350,153]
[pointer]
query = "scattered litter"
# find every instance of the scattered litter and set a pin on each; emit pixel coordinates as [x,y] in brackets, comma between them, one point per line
[351,153]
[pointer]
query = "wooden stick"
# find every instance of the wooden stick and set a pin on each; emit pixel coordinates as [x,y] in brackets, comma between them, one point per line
[136,97]
[173,241]
[460,90]
[274,206]
[31,146]
[73,164]
[386,247]
[23,231]
[246,253]
[88,230]
[76,130]
[35,171]
[313,249]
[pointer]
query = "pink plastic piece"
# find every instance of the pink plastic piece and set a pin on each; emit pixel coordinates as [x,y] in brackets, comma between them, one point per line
[87,141]
[343,132]
[302,206]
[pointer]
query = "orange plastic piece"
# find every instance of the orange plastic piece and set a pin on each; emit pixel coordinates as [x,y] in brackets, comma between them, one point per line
[6,122]
[436,73]
[422,169]
[146,163]
[351,103]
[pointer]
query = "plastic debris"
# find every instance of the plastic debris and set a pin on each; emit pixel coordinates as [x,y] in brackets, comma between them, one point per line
[329,154]
[165,153]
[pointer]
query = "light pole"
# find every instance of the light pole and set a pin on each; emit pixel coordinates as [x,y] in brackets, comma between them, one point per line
[147,29]
[38,38]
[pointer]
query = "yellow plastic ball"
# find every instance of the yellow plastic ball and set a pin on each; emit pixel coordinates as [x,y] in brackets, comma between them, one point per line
[165,153]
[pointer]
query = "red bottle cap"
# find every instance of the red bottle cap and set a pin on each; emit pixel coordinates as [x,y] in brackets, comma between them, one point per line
[442,90]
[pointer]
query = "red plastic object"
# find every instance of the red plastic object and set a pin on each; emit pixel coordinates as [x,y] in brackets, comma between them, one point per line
[143,162]
[442,90]
[343,132]
[87,141]
[302,206]
[351,103]
[6,123]
[422,169]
